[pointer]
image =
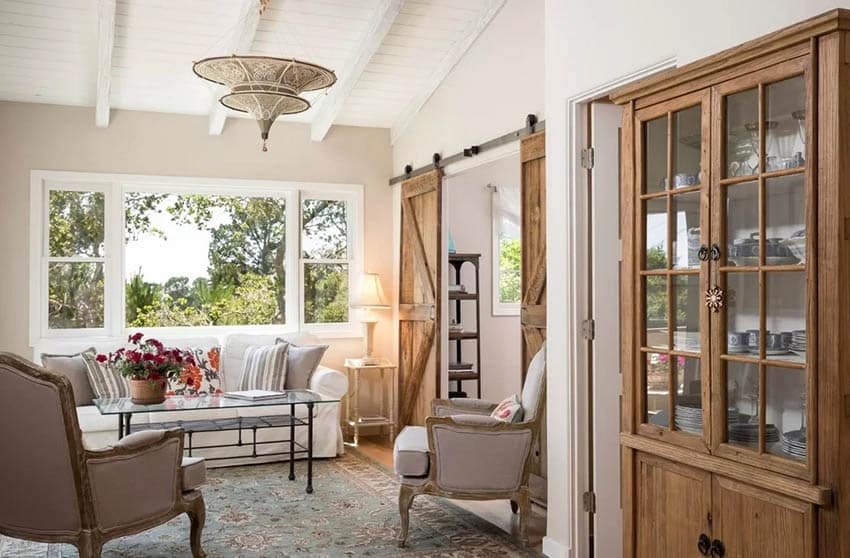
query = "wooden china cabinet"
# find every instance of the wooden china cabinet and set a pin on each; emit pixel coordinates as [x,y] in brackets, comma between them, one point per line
[736,297]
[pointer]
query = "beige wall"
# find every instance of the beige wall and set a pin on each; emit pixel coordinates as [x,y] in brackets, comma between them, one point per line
[49,137]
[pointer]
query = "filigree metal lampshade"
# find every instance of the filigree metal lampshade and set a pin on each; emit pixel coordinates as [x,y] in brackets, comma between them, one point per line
[264,86]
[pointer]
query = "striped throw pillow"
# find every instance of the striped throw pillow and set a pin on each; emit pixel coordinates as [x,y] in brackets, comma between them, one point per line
[106,382]
[264,367]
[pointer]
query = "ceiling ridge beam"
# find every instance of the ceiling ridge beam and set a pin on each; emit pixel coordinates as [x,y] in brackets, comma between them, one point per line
[444,68]
[381,22]
[105,44]
[239,41]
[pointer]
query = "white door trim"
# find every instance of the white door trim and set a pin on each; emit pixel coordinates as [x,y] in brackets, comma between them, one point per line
[577,307]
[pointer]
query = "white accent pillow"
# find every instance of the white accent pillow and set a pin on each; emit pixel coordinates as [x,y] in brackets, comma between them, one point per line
[509,410]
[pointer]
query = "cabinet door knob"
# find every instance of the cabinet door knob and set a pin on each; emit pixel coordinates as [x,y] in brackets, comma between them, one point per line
[703,544]
[703,253]
[717,549]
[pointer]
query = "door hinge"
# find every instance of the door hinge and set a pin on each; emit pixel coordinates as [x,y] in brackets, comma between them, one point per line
[588,329]
[588,500]
[587,158]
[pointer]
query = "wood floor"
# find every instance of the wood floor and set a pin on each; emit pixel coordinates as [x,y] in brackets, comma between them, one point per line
[497,512]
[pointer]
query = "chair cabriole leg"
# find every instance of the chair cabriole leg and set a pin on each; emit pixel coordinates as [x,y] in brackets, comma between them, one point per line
[405,500]
[89,546]
[524,514]
[197,515]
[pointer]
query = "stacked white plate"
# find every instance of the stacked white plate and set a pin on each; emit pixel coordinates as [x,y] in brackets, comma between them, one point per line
[747,433]
[689,418]
[794,443]
[798,342]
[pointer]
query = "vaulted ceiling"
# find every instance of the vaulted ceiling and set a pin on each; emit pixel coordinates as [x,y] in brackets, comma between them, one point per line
[389,55]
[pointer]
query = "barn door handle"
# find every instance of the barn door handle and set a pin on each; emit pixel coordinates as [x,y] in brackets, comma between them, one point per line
[704,544]
[717,549]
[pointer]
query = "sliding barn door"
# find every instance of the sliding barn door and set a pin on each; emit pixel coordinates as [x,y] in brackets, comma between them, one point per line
[533,313]
[533,316]
[419,291]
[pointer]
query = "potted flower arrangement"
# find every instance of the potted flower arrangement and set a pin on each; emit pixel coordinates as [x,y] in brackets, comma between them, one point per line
[148,366]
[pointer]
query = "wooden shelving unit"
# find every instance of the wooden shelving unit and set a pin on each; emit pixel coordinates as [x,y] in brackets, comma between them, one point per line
[457,373]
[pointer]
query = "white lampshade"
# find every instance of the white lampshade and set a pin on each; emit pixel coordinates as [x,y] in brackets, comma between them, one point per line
[370,294]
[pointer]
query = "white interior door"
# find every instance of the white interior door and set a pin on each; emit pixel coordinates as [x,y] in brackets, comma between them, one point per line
[606,384]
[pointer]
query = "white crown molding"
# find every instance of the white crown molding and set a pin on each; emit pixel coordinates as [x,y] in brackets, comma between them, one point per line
[446,65]
[105,43]
[381,23]
[239,41]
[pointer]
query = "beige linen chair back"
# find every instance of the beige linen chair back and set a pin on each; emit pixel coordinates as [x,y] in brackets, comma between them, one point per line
[533,391]
[41,448]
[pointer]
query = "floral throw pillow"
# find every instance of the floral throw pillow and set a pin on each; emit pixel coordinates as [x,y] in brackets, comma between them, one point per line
[201,378]
[509,410]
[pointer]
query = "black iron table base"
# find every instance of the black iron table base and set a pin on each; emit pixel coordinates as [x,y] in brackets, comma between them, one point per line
[241,424]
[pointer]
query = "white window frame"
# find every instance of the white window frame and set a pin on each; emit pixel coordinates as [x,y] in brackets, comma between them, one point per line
[499,308]
[114,186]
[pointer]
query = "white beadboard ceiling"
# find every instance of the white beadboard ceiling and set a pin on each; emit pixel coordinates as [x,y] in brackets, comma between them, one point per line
[389,55]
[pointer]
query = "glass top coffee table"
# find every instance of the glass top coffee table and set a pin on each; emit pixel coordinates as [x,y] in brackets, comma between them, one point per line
[124,408]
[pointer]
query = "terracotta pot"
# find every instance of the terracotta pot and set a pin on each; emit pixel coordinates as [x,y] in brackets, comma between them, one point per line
[144,392]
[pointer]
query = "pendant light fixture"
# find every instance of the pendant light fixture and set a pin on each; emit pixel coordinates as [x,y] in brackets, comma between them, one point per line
[264,86]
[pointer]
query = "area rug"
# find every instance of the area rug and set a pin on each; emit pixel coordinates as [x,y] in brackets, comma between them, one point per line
[256,511]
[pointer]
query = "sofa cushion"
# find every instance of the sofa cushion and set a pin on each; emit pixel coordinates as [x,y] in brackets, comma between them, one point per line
[105,380]
[410,453]
[194,472]
[236,344]
[264,367]
[72,367]
[301,364]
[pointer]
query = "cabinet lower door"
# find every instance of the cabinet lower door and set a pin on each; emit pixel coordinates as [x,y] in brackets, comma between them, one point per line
[673,505]
[753,522]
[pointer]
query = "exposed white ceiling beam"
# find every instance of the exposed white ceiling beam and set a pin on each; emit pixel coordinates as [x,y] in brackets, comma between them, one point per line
[449,61]
[380,24]
[239,41]
[105,42]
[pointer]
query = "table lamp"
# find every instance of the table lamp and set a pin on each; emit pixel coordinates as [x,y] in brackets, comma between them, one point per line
[370,296]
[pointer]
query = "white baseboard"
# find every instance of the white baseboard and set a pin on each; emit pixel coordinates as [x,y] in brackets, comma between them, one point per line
[554,549]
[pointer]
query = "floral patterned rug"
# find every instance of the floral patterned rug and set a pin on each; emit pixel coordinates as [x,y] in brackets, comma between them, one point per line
[255,511]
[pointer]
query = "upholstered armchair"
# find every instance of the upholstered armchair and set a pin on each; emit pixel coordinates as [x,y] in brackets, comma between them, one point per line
[463,453]
[54,490]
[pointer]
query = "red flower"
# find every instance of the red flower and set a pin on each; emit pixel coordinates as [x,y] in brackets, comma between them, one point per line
[156,343]
[136,337]
[101,358]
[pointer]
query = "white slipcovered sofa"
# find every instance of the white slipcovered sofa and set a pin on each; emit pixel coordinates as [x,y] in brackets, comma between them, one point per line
[101,430]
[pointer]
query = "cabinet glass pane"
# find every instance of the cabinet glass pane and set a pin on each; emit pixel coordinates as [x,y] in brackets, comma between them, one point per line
[785,220]
[656,312]
[786,316]
[687,142]
[785,392]
[742,314]
[742,133]
[688,416]
[785,127]
[742,398]
[655,155]
[686,231]
[656,233]
[742,224]
[657,389]
[687,304]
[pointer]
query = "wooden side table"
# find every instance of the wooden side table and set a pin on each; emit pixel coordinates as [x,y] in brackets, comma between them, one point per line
[353,419]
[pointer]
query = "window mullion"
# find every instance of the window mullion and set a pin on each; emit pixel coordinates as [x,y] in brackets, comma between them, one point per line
[114,272]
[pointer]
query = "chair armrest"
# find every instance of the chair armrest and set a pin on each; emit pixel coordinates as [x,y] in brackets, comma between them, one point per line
[449,407]
[136,479]
[329,382]
[474,453]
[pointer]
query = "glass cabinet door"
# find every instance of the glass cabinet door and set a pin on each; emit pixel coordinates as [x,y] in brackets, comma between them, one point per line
[673,212]
[763,235]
